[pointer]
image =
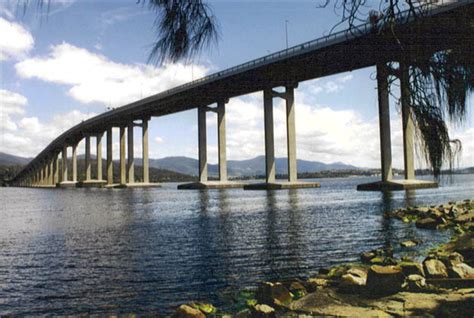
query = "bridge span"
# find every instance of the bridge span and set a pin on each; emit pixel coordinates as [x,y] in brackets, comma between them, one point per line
[277,75]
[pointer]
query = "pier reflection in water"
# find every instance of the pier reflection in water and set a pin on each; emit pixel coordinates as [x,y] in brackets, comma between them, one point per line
[146,250]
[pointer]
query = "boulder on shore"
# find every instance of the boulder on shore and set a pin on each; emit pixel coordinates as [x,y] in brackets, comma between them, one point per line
[186,311]
[353,280]
[426,223]
[415,282]
[412,268]
[384,279]
[461,270]
[435,269]
[273,294]
[262,311]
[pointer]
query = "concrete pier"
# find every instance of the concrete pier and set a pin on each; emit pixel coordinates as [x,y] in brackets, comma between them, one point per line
[87,159]
[388,183]
[203,182]
[74,163]
[221,141]
[131,157]
[99,156]
[407,123]
[146,172]
[123,167]
[202,144]
[270,181]
[65,183]
[110,162]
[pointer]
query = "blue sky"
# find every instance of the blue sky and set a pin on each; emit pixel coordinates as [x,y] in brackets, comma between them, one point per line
[84,56]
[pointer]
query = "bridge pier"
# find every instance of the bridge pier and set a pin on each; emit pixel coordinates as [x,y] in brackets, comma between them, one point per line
[270,168]
[388,183]
[89,182]
[110,162]
[65,183]
[222,182]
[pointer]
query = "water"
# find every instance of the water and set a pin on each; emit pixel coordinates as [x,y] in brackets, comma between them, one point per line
[86,251]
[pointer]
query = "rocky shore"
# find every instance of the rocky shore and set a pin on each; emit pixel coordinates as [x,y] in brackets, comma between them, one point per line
[381,284]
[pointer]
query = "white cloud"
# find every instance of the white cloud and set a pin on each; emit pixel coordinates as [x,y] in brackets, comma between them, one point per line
[159,140]
[16,41]
[332,86]
[11,104]
[32,135]
[93,78]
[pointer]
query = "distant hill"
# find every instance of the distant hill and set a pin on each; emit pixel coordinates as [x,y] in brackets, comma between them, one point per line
[10,160]
[240,168]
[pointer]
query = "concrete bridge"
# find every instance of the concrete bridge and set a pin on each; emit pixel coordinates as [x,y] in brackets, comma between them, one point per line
[277,75]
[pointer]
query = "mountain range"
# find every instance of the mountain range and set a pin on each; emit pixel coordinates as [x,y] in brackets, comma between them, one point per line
[235,168]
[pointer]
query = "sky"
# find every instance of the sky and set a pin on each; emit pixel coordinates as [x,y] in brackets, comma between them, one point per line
[79,58]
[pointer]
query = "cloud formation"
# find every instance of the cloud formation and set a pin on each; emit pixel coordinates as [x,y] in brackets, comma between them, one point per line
[16,40]
[11,104]
[93,78]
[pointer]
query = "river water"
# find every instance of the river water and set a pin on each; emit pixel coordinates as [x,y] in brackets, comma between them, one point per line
[86,251]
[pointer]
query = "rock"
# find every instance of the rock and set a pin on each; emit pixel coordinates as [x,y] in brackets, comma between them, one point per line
[353,280]
[262,311]
[243,314]
[426,223]
[367,256]
[412,268]
[464,218]
[313,284]
[205,308]
[415,282]
[298,290]
[273,294]
[384,279]
[435,269]
[185,311]
[461,270]
[408,243]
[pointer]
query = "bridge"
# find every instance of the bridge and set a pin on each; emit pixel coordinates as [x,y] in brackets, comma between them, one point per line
[276,75]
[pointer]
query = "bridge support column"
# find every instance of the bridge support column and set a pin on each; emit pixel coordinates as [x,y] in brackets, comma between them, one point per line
[87,159]
[51,172]
[269,136]
[74,163]
[407,123]
[203,182]
[270,167]
[123,175]
[56,169]
[146,172]
[64,178]
[99,156]
[110,162]
[64,164]
[221,140]
[202,144]
[291,133]
[131,158]
[387,183]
